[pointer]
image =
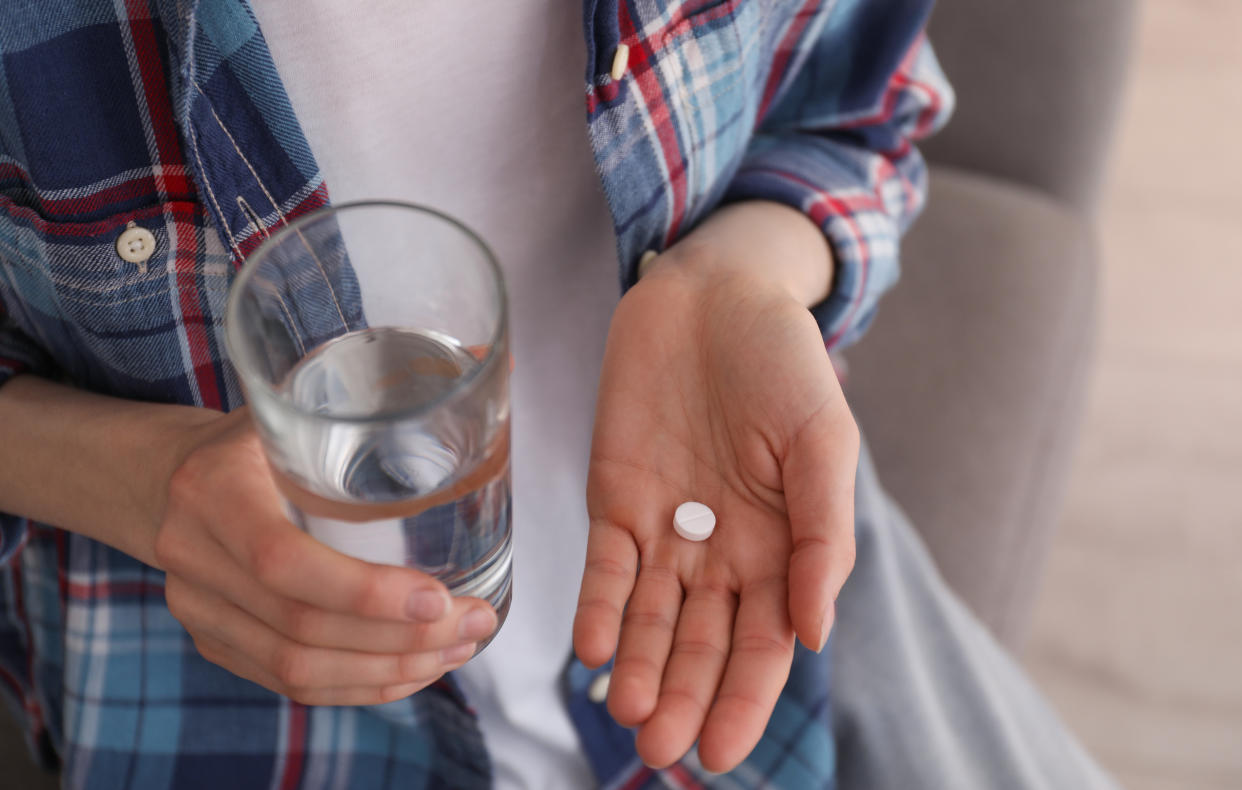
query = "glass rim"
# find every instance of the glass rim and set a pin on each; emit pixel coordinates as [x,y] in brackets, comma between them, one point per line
[243,361]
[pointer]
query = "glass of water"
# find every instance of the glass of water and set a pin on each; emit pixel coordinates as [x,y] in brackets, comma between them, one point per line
[371,340]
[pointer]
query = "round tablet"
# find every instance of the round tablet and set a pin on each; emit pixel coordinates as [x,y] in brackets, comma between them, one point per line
[694,520]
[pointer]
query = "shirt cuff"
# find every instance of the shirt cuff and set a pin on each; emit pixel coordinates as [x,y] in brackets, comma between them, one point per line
[862,219]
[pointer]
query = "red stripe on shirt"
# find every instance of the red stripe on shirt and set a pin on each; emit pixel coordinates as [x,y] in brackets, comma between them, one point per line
[193,321]
[638,779]
[295,749]
[784,52]
[155,89]
[642,67]
[824,208]
[682,776]
[886,171]
[62,210]
[316,199]
[10,364]
[29,704]
[836,208]
[89,232]
[899,86]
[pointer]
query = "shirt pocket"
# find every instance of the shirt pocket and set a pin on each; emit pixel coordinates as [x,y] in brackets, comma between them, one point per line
[136,329]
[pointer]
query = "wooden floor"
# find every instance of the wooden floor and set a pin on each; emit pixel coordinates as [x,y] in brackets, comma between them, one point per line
[1138,637]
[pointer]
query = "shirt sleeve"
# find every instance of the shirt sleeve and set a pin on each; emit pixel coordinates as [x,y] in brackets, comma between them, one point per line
[844,155]
[18,354]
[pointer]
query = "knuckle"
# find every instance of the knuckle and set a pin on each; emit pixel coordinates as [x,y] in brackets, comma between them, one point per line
[292,667]
[701,650]
[637,665]
[400,640]
[301,622]
[756,643]
[175,599]
[647,619]
[662,576]
[606,566]
[687,696]
[188,480]
[426,636]
[602,606]
[746,701]
[172,550]
[269,557]
[415,667]
[369,599]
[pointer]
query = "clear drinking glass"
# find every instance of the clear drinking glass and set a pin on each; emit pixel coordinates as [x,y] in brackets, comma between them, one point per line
[372,343]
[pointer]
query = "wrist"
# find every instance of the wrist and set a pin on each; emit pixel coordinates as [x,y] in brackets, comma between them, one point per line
[766,243]
[160,439]
[91,464]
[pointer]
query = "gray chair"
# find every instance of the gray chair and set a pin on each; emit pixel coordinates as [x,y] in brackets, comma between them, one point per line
[971,384]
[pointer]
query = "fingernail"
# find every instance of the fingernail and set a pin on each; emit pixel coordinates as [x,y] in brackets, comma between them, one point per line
[457,653]
[476,624]
[427,605]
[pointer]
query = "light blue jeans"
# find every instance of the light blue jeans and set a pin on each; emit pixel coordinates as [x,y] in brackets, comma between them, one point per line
[923,697]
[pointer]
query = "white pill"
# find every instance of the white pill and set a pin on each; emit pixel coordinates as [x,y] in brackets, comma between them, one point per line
[694,521]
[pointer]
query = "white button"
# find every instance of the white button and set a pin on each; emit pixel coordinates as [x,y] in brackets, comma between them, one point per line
[620,61]
[136,244]
[694,521]
[598,691]
[644,263]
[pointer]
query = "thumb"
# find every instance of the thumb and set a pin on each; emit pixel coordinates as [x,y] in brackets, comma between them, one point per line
[818,477]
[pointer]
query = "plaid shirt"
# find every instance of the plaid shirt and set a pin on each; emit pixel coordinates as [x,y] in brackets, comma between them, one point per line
[169,114]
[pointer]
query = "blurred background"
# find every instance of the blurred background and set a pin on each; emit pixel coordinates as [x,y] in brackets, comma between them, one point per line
[1053,391]
[1137,633]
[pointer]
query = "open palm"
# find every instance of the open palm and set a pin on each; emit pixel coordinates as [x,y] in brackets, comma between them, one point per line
[715,390]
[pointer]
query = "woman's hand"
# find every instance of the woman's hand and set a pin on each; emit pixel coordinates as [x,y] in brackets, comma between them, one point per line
[189,491]
[267,602]
[716,388]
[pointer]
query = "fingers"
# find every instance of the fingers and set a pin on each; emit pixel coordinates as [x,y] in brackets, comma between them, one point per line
[818,476]
[607,580]
[646,636]
[310,625]
[241,665]
[762,654]
[293,564]
[203,611]
[299,670]
[695,666]
[270,602]
[224,491]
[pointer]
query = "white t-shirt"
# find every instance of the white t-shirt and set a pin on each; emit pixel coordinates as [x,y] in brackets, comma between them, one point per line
[478,109]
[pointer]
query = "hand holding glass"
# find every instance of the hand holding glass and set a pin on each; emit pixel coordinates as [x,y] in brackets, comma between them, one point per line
[372,343]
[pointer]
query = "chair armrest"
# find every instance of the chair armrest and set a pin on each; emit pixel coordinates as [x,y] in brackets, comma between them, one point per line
[971,383]
[1038,88]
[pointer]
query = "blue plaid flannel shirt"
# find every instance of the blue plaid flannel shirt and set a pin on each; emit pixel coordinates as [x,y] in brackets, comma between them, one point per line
[170,114]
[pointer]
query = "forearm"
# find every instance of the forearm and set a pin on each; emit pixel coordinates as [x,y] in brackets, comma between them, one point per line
[91,464]
[768,240]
